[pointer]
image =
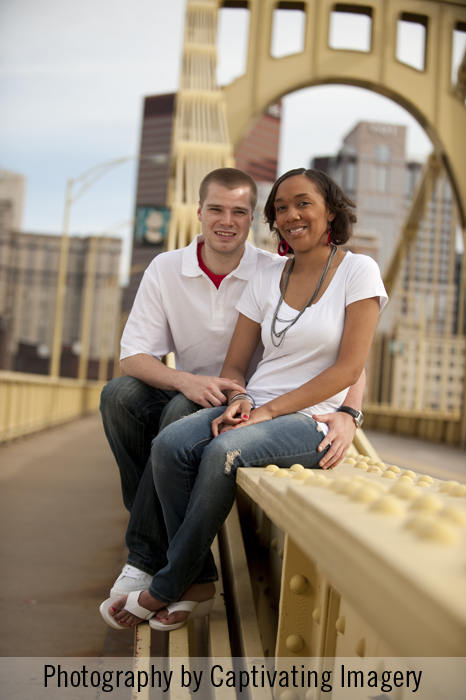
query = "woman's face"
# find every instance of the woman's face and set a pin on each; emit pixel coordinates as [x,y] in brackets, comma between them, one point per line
[301,213]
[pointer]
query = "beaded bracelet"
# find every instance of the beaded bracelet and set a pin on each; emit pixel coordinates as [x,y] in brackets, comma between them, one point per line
[238,397]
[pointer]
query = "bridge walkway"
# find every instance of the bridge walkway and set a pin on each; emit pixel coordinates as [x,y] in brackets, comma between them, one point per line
[63,524]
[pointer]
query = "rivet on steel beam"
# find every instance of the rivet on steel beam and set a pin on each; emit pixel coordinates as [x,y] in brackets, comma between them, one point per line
[294,643]
[288,695]
[299,584]
[340,624]
[360,647]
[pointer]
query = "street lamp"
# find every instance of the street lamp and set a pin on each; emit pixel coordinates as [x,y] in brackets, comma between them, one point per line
[75,188]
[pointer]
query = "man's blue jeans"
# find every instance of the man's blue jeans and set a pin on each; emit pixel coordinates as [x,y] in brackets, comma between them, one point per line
[195,480]
[133,413]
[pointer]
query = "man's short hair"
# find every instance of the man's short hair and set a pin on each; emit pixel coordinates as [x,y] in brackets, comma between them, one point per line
[231,178]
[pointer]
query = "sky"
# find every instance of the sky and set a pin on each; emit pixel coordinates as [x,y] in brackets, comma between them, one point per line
[72,81]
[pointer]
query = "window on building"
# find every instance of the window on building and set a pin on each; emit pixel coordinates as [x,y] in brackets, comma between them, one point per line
[382,153]
[380,178]
[350,177]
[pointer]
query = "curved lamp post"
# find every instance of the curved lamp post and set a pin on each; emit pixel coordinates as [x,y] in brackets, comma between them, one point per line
[75,188]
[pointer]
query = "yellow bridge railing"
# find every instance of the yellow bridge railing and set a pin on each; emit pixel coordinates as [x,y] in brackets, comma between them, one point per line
[32,402]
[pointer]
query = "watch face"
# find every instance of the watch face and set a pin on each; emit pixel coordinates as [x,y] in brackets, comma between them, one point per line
[359,420]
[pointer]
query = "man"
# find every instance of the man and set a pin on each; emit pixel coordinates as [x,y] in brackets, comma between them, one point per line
[186,305]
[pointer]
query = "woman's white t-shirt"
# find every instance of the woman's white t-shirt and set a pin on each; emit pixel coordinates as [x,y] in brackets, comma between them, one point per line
[312,344]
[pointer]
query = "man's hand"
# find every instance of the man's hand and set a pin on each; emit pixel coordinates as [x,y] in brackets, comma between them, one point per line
[206,391]
[340,435]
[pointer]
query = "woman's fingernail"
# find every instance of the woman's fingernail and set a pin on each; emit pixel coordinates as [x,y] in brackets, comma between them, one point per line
[245,417]
[114,609]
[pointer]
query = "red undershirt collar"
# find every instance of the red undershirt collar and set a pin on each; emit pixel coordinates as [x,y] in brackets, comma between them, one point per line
[216,279]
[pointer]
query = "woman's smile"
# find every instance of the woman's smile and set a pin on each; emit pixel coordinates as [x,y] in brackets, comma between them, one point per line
[296,230]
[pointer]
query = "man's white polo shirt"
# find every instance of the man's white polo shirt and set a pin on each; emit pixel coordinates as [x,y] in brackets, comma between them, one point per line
[178,309]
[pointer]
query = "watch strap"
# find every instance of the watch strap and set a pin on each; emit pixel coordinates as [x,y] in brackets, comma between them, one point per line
[357,416]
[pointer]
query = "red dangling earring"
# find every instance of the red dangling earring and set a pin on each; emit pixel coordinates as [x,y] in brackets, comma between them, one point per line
[329,235]
[283,247]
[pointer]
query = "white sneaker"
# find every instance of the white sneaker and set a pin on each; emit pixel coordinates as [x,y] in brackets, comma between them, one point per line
[131,579]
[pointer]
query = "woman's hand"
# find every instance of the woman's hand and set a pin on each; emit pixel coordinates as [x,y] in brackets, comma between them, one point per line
[232,416]
[258,415]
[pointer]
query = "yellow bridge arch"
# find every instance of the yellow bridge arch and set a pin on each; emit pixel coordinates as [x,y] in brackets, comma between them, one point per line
[429,95]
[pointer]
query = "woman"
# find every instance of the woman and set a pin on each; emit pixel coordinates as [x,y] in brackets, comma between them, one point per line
[316,314]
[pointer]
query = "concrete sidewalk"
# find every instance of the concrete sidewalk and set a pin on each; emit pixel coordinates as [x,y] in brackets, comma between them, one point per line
[63,523]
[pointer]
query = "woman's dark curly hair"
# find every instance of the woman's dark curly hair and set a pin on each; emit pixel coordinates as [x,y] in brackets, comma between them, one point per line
[337,203]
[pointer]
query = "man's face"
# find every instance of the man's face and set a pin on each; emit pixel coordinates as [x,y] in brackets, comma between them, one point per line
[226,217]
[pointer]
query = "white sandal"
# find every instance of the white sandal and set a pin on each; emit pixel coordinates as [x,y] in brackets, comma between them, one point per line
[132,606]
[195,610]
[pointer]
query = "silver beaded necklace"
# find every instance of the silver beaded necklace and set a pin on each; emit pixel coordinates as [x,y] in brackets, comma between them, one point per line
[280,335]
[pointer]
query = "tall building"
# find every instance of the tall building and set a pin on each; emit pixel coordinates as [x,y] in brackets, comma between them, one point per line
[371,168]
[154,164]
[426,343]
[151,214]
[418,357]
[257,155]
[28,288]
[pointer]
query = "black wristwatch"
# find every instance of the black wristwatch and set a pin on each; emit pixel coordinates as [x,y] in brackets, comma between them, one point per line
[358,416]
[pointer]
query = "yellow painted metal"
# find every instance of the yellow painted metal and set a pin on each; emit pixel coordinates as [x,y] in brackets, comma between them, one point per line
[428,95]
[141,661]
[235,570]
[385,572]
[86,319]
[219,642]
[430,425]
[303,598]
[31,402]
[61,285]
[363,445]
[109,296]
[200,136]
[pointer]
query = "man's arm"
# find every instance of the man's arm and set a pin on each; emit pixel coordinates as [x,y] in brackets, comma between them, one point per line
[205,391]
[147,336]
[342,426]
